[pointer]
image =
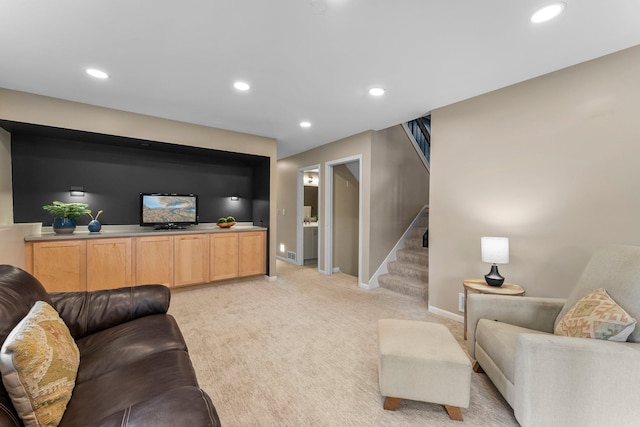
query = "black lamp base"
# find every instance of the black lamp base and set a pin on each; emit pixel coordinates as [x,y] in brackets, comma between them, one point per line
[494,278]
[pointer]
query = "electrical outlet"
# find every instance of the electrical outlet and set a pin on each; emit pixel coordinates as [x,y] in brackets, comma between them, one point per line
[461,302]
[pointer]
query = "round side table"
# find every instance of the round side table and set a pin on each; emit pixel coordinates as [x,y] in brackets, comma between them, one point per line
[480,286]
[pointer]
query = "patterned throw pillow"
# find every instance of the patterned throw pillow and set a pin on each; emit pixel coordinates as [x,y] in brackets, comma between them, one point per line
[39,363]
[597,316]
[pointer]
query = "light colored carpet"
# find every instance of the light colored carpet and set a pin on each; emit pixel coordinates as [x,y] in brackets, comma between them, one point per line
[302,351]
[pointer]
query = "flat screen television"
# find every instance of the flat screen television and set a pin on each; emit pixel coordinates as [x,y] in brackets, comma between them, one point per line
[168,211]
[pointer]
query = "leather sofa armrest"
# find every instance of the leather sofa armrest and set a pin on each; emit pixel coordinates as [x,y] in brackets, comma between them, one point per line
[591,374]
[88,312]
[528,312]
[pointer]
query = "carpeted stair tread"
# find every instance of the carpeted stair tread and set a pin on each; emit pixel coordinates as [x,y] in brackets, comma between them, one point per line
[413,243]
[416,256]
[403,285]
[409,270]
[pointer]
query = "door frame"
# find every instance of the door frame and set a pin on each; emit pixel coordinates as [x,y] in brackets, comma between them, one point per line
[328,214]
[300,212]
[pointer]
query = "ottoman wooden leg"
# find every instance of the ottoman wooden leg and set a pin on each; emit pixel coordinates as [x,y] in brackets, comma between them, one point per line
[454,412]
[391,403]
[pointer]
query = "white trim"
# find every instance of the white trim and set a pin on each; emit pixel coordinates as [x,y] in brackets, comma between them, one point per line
[447,314]
[270,278]
[285,259]
[328,213]
[391,256]
[416,146]
[300,213]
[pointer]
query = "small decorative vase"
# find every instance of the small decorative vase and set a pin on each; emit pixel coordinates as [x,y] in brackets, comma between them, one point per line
[64,225]
[94,226]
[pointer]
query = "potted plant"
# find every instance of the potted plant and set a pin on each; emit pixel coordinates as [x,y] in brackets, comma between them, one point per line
[65,214]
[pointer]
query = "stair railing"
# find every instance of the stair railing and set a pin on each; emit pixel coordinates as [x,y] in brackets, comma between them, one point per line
[419,132]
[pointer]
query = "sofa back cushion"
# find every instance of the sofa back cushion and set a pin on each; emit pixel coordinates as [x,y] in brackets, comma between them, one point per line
[616,268]
[19,291]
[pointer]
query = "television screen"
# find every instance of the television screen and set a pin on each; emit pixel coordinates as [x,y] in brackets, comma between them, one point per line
[166,209]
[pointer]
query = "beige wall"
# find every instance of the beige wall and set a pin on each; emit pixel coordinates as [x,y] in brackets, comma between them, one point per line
[30,108]
[551,163]
[395,185]
[345,220]
[355,145]
[6,194]
[399,189]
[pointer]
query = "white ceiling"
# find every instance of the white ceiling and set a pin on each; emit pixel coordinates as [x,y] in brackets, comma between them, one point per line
[179,59]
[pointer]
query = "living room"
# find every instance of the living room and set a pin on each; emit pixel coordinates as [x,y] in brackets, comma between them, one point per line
[548,162]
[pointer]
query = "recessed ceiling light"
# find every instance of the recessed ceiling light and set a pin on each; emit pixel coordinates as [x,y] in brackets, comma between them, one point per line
[305,124]
[547,13]
[241,86]
[98,74]
[376,91]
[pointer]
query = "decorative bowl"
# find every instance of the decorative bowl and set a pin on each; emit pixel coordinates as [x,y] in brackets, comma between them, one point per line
[226,224]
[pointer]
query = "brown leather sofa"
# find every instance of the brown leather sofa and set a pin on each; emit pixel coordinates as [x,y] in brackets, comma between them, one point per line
[134,366]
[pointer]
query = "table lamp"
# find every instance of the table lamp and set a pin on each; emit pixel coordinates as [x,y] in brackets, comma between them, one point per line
[496,251]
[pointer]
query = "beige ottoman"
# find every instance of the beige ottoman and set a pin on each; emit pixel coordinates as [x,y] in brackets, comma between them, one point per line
[422,361]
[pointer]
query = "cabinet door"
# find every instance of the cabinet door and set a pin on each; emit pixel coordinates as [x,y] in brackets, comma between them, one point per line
[108,263]
[154,260]
[61,266]
[223,256]
[191,255]
[252,253]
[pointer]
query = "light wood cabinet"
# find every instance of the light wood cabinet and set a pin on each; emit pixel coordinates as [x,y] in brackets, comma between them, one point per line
[60,266]
[87,264]
[252,253]
[153,260]
[191,259]
[223,248]
[108,263]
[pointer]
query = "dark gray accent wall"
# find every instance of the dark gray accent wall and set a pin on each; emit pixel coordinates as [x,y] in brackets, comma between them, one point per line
[114,170]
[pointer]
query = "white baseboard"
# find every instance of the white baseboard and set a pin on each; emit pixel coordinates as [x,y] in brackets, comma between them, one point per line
[367,286]
[290,261]
[447,314]
[270,278]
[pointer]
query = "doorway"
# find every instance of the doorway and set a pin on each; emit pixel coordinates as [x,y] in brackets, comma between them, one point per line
[308,208]
[343,217]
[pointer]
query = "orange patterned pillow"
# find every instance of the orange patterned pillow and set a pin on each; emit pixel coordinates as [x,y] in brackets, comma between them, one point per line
[39,362]
[596,316]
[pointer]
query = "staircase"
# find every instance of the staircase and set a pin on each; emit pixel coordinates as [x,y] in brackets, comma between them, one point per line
[409,273]
[419,132]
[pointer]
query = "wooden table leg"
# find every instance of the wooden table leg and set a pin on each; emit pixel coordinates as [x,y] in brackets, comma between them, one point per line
[465,312]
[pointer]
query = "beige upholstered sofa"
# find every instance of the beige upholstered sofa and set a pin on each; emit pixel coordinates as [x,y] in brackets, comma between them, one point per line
[552,380]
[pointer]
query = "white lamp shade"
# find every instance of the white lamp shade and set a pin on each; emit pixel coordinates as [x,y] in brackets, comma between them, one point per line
[495,250]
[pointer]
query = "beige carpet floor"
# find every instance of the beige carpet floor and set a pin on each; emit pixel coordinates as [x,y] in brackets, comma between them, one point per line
[302,351]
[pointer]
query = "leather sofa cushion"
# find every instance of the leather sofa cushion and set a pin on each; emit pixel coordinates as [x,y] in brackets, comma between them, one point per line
[129,342]
[498,340]
[178,407]
[20,291]
[86,313]
[128,385]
